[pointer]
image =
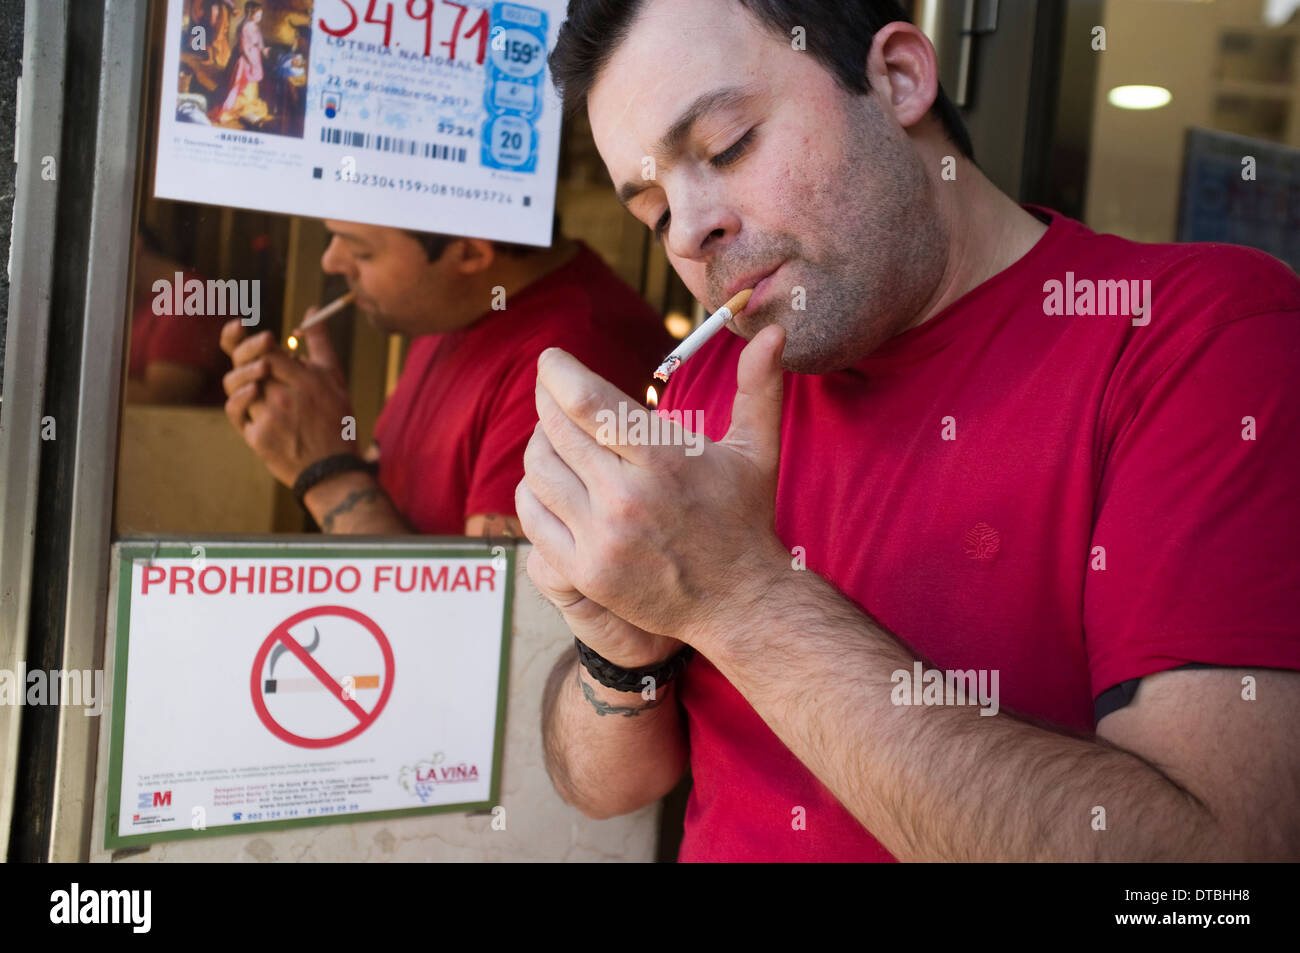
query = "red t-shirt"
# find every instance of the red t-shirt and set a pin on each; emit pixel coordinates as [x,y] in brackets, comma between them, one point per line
[191,340]
[452,435]
[1071,432]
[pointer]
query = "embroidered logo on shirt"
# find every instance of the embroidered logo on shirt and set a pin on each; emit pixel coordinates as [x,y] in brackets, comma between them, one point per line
[982,541]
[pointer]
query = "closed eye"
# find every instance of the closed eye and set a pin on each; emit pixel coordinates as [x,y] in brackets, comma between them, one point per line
[728,156]
[661,225]
[723,159]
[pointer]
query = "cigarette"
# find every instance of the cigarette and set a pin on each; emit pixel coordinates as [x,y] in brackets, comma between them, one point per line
[282,686]
[327,312]
[711,326]
[324,314]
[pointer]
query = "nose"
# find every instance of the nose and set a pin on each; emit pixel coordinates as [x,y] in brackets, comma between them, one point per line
[335,260]
[702,222]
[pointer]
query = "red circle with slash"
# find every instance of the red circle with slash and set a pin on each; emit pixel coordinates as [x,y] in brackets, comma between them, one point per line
[281,634]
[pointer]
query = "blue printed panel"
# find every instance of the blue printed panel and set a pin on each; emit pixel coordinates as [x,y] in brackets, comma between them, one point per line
[516,70]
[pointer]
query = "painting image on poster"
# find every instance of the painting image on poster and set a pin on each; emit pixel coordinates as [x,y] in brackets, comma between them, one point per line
[243,65]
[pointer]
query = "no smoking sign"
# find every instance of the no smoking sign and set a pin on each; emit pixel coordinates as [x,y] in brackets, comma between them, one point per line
[322,676]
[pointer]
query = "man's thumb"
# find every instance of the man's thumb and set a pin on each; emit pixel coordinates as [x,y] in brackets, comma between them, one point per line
[756,413]
[320,350]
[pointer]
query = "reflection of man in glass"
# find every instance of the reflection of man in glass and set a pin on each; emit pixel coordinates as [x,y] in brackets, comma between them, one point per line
[174,358]
[243,101]
[450,440]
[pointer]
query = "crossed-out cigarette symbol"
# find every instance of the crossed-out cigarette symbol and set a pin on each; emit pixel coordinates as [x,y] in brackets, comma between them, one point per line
[283,686]
[263,684]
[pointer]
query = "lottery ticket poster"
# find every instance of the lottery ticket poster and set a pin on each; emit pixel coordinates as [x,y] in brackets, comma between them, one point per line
[432,115]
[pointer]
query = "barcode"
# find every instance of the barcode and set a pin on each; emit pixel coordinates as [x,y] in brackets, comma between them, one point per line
[410,147]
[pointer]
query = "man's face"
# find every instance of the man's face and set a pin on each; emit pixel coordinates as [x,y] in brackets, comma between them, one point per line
[784,181]
[396,285]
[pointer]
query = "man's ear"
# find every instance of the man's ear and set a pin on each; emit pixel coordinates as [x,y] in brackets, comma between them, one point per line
[903,68]
[470,256]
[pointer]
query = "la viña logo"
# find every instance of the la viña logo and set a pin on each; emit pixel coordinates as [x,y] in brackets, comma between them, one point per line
[423,777]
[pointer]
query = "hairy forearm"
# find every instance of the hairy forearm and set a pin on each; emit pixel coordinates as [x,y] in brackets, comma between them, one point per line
[936,782]
[609,752]
[354,503]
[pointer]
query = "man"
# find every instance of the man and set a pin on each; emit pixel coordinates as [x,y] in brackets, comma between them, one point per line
[174,359]
[980,577]
[451,437]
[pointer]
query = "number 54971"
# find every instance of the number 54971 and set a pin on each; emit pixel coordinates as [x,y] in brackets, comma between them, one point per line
[417,11]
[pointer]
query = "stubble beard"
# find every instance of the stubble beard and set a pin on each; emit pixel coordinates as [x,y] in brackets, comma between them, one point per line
[879,272]
[381,322]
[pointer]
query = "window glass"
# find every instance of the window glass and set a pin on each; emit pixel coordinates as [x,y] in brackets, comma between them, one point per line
[1196,129]
[182,466]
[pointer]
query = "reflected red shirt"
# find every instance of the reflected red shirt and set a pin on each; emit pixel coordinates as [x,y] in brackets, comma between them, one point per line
[1071,432]
[452,435]
[191,340]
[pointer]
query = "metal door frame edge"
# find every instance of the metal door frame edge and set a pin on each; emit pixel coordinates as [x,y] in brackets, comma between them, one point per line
[38,134]
[112,220]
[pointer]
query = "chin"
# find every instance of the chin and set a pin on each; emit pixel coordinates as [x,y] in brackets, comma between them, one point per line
[798,363]
[810,352]
[381,322]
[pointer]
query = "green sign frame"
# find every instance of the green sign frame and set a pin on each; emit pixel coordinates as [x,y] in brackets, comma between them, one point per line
[126,553]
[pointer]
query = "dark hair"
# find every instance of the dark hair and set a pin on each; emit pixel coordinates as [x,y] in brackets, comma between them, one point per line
[436,243]
[839,34]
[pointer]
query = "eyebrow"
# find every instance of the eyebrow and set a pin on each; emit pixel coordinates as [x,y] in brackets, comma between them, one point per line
[670,144]
[356,240]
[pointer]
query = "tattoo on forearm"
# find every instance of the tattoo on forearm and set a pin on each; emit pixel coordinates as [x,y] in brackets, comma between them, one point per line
[605,708]
[368,495]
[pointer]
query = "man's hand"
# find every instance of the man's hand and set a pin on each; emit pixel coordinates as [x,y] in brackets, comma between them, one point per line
[289,411]
[673,544]
[606,634]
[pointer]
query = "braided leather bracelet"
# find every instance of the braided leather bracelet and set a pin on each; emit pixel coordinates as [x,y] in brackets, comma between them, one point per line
[630,679]
[325,468]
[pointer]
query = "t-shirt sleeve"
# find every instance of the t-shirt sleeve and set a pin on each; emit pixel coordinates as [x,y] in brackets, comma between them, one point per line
[192,340]
[1198,512]
[512,411]
[511,417]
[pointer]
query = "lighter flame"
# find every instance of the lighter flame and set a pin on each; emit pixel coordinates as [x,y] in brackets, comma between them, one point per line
[292,343]
[651,397]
